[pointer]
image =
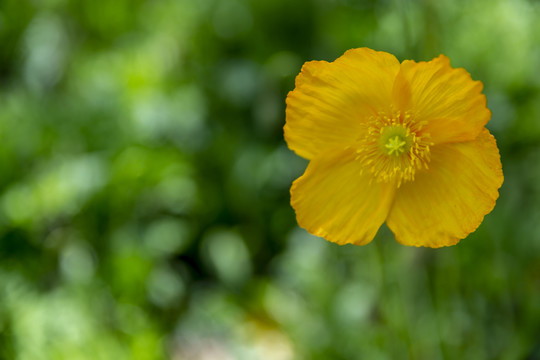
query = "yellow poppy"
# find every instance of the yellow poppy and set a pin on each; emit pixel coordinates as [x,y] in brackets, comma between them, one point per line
[387,141]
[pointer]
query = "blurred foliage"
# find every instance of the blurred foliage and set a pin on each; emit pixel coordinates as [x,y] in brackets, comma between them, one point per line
[144,204]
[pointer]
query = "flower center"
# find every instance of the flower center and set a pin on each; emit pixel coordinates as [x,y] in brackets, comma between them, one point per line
[395,140]
[394,147]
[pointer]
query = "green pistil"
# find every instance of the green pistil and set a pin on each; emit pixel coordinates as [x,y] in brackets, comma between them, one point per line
[396,145]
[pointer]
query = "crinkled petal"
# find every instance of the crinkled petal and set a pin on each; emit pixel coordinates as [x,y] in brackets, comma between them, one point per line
[447,99]
[334,200]
[447,202]
[331,101]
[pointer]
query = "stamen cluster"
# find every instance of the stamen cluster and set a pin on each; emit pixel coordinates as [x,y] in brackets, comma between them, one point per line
[394,147]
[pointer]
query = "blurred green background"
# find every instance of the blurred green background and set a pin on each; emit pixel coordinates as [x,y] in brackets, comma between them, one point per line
[144,186]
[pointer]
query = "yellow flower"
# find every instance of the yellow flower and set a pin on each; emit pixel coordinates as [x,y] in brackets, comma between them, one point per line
[402,143]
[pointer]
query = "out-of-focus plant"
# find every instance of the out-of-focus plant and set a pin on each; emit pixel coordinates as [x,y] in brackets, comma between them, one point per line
[144,186]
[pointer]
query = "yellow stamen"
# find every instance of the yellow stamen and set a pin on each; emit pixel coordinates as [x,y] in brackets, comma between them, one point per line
[394,148]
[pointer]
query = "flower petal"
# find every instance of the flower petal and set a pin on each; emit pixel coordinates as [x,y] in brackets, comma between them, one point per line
[327,107]
[334,200]
[448,99]
[447,202]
